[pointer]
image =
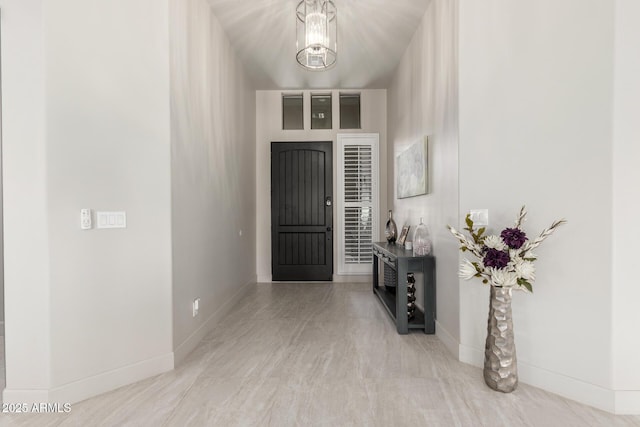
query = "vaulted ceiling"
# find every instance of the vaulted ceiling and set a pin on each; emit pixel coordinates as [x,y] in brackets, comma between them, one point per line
[372,36]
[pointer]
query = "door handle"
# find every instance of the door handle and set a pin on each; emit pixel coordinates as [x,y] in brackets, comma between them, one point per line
[329,229]
[328,201]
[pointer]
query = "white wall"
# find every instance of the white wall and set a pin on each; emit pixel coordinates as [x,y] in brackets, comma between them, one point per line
[108,149]
[86,126]
[25,209]
[423,100]
[373,107]
[535,128]
[213,172]
[1,265]
[1,239]
[626,203]
[1,244]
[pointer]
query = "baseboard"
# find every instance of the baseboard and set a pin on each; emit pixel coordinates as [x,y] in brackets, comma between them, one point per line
[355,278]
[627,402]
[111,380]
[94,385]
[448,340]
[470,355]
[25,396]
[264,279]
[618,402]
[571,388]
[192,341]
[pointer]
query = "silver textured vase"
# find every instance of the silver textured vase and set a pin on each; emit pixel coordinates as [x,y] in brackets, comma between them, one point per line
[391,231]
[500,364]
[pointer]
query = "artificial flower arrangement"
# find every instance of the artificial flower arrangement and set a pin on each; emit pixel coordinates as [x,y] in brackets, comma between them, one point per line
[505,260]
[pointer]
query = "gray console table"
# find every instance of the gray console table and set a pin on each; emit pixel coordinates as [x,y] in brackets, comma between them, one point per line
[403,262]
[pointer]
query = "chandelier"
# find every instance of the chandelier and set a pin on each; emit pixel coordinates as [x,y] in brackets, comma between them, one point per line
[316,34]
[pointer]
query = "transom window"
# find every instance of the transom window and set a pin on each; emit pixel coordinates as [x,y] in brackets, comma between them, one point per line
[292,114]
[350,111]
[321,111]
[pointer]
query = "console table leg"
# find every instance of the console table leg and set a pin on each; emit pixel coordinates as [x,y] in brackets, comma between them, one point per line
[402,322]
[375,273]
[429,269]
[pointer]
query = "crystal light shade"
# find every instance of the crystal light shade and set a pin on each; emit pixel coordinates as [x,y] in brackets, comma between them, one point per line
[316,34]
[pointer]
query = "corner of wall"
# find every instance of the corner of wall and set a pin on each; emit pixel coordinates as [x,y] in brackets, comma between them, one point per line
[627,402]
[449,341]
[422,101]
[213,176]
[94,385]
[183,349]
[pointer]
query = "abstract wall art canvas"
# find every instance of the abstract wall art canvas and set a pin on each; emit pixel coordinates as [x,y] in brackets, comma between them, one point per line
[411,170]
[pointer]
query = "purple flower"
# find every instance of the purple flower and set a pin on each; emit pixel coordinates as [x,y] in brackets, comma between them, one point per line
[495,258]
[513,237]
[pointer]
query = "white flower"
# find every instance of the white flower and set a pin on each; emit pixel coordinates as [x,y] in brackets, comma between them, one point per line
[473,248]
[467,270]
[494,242]
[503,278]
[526,270]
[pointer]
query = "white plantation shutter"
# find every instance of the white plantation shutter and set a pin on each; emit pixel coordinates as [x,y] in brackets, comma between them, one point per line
[357,201]
[358,192]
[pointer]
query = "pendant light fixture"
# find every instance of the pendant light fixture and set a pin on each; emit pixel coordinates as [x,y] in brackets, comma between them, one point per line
[316,34]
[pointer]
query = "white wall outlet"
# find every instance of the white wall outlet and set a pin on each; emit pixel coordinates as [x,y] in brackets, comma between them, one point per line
[480,217]
[196,306]
[85,219]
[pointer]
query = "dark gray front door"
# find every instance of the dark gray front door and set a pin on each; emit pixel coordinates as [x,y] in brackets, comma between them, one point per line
[301,211]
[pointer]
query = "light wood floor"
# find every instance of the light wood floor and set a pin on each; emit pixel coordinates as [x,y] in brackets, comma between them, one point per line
[320,354]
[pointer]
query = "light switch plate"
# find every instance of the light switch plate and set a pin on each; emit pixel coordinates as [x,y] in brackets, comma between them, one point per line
[111,219]
[480,217]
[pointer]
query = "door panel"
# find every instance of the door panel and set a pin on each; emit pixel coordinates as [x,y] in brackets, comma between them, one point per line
[301,211]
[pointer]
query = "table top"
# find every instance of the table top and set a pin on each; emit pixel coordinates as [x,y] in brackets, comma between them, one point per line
[397,250]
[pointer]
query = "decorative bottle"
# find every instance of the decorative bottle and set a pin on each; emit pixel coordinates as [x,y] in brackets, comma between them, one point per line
[411,297]
[421,240]
[391,231]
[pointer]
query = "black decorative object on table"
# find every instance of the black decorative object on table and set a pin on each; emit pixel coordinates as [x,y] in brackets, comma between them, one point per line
[391,231]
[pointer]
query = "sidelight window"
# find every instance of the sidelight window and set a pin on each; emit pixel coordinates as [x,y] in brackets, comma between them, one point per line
[358,214]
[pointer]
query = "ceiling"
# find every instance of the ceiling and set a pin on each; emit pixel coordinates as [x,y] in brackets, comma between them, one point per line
[372,36]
